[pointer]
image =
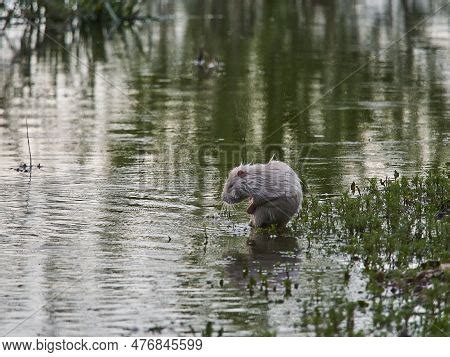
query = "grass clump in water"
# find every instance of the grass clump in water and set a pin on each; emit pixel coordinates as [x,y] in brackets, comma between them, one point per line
[401,224]
[397,232]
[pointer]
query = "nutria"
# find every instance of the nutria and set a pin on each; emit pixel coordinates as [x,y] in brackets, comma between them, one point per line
[273,189]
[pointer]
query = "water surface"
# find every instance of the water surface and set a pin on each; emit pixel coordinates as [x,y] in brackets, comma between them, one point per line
[120,232]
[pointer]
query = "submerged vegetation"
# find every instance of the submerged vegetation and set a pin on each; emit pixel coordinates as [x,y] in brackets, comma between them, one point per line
[396,232]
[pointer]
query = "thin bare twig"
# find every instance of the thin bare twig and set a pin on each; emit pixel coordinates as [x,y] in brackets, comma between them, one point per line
[29,148]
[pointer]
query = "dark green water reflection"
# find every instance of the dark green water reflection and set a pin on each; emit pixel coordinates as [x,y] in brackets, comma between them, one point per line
[135,142]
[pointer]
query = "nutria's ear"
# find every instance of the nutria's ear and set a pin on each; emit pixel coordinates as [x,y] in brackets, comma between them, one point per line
[241,173]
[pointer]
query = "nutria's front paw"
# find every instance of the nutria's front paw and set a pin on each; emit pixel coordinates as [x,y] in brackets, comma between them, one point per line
[251,206]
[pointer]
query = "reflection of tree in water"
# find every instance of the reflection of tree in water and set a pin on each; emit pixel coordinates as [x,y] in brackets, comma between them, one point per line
[271,72]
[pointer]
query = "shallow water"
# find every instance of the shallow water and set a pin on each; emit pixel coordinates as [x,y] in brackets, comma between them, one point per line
[121,231]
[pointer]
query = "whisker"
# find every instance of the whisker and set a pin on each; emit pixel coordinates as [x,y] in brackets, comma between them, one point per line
[227,209]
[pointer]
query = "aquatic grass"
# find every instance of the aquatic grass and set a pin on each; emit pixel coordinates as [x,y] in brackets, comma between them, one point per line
[394,224]
[406,311]
[397,229]
[208,331]
[335,319]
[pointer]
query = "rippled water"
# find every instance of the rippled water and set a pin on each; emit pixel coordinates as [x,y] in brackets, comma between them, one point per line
[120,232]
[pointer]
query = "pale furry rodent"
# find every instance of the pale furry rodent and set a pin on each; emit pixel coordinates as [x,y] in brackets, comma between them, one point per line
[274,191]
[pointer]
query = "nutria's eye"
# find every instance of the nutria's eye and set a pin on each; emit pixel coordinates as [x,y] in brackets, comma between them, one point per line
[230,186]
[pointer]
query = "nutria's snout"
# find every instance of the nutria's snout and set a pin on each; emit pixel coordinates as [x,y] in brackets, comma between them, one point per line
[231,194]
[226,199]
[234,189]
[274,191]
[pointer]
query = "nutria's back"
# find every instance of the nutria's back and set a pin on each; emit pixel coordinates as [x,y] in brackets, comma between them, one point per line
[272,180]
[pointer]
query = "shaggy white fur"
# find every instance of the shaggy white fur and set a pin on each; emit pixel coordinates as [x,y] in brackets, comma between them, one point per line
[274,191]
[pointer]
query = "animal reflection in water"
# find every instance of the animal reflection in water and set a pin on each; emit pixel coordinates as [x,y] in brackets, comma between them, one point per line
[276,258]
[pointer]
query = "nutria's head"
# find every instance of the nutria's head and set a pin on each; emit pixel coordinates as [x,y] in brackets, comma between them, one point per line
[235,188]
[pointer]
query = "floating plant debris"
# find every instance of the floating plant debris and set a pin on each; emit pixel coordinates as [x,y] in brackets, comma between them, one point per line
[26,168]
